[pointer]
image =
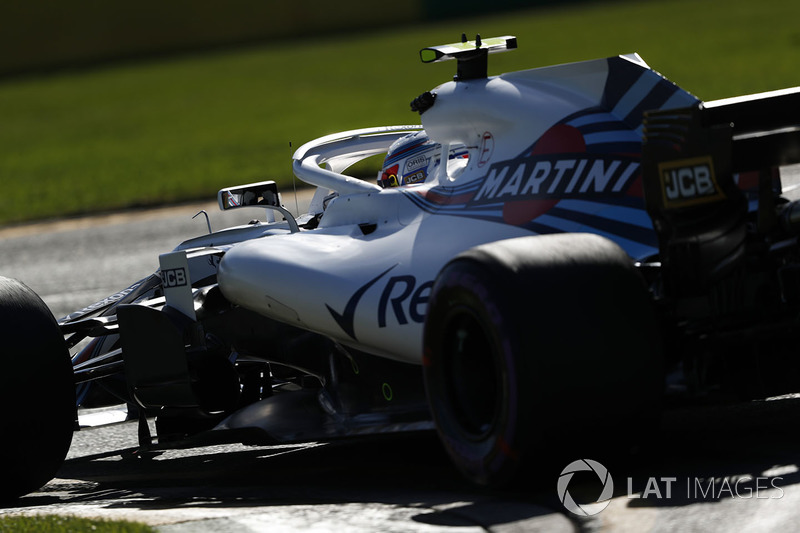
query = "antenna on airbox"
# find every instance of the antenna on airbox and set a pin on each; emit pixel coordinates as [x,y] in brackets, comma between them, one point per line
[472,56]
[294,186]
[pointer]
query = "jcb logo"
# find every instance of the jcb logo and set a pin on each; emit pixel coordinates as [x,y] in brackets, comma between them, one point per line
[688,182]
[174,277]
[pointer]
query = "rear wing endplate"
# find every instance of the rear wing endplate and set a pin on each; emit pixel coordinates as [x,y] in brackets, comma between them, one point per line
[691,157]
[748,133]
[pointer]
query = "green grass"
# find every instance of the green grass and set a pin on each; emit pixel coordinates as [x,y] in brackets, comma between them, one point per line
[65,524]
[181,128]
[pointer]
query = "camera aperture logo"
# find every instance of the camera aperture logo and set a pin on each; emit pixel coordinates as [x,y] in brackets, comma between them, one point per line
[585,509]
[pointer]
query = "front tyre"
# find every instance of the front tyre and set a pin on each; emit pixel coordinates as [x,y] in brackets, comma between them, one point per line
[535,344]
[37,392]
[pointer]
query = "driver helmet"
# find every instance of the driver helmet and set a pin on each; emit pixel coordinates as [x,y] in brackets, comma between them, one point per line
[410,159]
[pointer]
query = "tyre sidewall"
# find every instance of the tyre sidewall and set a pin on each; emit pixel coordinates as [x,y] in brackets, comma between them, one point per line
[574,339]
[465,287]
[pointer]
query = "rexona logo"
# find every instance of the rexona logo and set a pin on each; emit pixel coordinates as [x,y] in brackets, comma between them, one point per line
[402,297]
[557,176]
[688,182]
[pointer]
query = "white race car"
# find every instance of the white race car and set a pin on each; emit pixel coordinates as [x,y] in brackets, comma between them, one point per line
[533,261]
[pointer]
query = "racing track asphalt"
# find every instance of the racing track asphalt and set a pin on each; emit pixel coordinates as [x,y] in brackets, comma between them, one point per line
[395,484]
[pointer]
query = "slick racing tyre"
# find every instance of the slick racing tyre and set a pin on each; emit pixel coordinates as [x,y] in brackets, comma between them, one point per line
[37,392]
[535,343]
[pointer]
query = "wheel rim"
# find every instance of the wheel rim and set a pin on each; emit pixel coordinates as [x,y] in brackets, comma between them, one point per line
[471,375]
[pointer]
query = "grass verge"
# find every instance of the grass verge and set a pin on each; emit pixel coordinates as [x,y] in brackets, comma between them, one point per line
[65,524]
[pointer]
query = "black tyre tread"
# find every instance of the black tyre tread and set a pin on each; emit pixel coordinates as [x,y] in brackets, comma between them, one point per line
[575,306]
[36,387]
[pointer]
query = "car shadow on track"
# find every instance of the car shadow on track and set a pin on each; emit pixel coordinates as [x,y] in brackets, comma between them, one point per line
[704,450]
[409,472]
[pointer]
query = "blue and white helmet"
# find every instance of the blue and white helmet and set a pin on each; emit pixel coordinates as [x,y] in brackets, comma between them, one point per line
[410,159]
[413,158]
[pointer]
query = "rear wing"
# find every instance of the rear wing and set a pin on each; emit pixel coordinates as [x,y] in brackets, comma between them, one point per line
[693,160]
[765,127]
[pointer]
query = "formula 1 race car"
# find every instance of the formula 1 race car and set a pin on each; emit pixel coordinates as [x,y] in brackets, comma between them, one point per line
[553,252]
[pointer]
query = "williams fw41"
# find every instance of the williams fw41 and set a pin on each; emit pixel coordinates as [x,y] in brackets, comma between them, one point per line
[549,245]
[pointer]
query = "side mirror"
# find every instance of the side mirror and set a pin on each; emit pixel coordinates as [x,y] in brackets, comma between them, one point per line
[261,194]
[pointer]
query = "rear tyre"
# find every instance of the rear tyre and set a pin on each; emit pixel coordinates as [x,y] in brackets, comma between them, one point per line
[538,345]
[37,392]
